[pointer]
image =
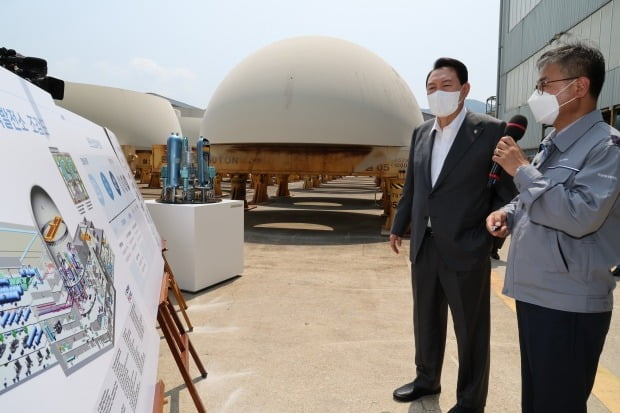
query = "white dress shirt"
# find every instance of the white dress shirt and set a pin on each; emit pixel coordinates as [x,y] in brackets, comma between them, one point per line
[444,138]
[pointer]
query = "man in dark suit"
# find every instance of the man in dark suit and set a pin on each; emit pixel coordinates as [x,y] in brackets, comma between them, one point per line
[445,201]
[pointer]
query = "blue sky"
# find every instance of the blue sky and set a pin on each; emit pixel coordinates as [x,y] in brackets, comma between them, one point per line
[184,48]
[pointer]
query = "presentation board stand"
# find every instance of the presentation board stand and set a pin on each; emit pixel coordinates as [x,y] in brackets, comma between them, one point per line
[179,342]
[158,398]
[80,264]
[176,290]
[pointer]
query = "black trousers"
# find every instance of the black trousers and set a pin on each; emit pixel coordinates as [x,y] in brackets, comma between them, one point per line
[498,243]
[559,357]
[467,294]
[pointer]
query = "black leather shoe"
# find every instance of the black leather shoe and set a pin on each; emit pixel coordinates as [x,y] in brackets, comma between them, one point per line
[409,392]
[461,409]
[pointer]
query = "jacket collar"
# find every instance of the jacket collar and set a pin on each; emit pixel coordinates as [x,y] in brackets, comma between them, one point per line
[469,131]
[575,130]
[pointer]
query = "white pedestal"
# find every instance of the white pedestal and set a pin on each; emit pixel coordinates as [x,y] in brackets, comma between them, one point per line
[204,241]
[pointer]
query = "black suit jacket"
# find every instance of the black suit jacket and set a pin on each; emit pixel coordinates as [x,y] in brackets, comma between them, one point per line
[460,201]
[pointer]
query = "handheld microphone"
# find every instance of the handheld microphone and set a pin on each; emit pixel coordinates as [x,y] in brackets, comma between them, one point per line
[515,128]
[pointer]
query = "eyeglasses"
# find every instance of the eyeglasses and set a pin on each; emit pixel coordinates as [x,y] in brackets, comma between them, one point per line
[542,84]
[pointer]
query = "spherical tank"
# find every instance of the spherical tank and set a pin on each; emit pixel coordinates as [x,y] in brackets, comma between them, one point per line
[137,119]
[312,90]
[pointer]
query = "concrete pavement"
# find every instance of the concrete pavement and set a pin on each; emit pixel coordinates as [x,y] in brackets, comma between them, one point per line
[320,320]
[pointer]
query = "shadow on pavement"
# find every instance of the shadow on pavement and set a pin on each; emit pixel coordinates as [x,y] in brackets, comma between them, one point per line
[292,226]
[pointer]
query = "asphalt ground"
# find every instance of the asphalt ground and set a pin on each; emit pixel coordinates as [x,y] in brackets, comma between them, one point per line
[321,318]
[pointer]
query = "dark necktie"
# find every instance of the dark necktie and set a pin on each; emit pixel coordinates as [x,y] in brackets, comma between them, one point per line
[545,149]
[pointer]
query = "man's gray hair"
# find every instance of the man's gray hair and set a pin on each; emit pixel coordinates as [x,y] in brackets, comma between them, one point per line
[575,60]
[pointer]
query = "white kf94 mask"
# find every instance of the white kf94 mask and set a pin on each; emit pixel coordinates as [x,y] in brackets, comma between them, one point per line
[442,103]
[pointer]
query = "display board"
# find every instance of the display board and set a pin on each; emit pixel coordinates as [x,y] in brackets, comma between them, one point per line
[80,264]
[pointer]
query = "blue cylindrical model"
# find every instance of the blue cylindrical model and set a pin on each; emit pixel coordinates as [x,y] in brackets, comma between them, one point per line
[12,317]
[173,158]
[30,338]
[37,339]
[9,296]
[5,318]
[203,152]
[164,175]
[186,164]
[186,153]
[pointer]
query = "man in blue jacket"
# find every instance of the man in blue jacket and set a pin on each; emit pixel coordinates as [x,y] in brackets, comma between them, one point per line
[565,232]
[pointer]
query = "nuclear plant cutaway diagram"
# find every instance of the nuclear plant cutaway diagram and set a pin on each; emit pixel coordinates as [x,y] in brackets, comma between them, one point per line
[57,297]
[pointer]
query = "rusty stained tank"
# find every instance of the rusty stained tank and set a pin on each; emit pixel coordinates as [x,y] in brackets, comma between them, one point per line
[311,105]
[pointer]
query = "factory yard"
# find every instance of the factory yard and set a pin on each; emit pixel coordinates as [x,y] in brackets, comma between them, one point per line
[320,319]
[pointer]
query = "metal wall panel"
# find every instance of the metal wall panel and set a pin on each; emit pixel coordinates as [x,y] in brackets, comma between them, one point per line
[596,20]
[614,52]
[538,27]
[512,49]
[543,22]
[595,27]
[606,96]
[614,86]
[610,95]
[605,36]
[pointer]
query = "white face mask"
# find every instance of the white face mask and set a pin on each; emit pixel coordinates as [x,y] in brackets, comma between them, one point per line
[443,103]
[546,107]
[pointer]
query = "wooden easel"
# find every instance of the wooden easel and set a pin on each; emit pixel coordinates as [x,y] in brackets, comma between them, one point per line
[158,398]
[172,283]
[179,343]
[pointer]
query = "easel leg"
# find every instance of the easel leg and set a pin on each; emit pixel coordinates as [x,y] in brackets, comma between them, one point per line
[158,399]
[179,353]
[178,341]
[179,326]
[176,291]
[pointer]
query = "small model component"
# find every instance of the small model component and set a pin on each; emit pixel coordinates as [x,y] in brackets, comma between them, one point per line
[52,229]
[185,180]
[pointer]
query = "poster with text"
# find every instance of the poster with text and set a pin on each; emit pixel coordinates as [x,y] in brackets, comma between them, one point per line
[80,264]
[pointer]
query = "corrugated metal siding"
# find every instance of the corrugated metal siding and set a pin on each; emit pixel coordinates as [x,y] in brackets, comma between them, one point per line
[595,27]
[606,98]
[545,20]
[538,27]
[614,53]
[605,35]
[513,48]
[614,86]
[534,32]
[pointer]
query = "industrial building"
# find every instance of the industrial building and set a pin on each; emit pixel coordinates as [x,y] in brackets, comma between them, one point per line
[528,28]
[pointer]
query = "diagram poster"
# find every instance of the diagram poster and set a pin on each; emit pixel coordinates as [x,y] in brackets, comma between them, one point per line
[80,264]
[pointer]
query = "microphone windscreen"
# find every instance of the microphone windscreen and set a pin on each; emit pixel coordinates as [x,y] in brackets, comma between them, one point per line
[516,126]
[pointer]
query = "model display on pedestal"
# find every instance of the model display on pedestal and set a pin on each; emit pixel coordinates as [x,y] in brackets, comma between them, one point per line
[199,233]
[183,180]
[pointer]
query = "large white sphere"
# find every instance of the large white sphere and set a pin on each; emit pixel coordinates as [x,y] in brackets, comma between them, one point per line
[137,119]
[312,90]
